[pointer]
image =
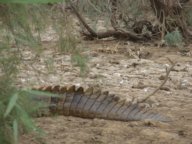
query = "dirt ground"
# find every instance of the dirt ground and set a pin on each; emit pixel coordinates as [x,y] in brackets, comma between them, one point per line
[116,66]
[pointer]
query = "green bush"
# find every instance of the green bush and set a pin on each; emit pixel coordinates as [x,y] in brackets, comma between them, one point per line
[80,61]
[174,38]
[15,118]
[20,27]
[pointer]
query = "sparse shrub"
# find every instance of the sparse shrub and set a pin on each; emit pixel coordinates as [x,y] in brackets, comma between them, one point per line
[21,26]
[80,61]
[174,38]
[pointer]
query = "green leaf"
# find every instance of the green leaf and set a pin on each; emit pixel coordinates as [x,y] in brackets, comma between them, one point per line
[30,1]
[15,131]
[11,104]
[40,93]
[25,118]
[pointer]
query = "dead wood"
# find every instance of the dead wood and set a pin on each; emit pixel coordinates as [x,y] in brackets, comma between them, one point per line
[162,84]
[114,22]
[117,32]
[170,14]
[82,20]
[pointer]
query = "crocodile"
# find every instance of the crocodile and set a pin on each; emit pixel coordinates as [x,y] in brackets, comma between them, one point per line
[93,103]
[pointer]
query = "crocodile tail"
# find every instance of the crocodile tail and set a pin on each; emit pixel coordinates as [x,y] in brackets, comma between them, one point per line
[93,103]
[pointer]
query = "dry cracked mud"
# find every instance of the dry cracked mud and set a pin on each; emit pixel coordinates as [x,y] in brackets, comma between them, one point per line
[115,66]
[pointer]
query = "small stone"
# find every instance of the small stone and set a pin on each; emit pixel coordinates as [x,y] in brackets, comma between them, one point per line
[162,77]
[165,88]
[114,62]
[181,133]
[151,123]
[94,54]
[140,85]
[93,76]
[121,82]
[117,74]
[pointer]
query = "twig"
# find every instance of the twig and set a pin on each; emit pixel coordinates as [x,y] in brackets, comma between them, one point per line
[93,6]
[114,22]
[161,85]
[118,33]
[82,20]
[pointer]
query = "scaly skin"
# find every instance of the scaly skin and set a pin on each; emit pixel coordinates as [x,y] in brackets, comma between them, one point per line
[92,103]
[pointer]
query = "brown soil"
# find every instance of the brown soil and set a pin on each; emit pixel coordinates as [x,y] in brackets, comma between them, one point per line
[115,66]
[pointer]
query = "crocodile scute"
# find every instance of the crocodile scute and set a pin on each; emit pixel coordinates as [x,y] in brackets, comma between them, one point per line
[94,103]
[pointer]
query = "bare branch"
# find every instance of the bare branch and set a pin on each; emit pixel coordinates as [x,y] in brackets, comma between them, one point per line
[114,22]
[111,33]
[117,34]
[82,20]
[162,84]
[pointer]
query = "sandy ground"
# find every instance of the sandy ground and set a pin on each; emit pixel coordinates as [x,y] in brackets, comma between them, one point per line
[115,66]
